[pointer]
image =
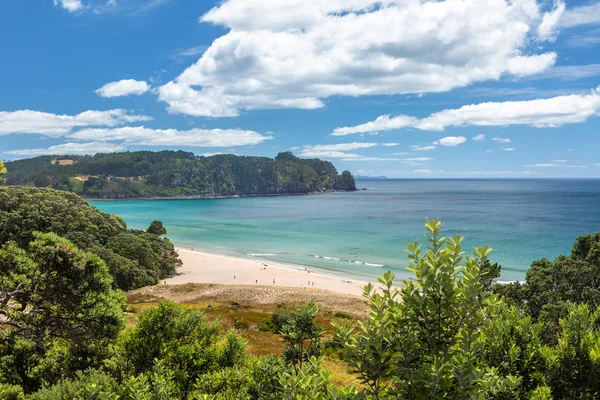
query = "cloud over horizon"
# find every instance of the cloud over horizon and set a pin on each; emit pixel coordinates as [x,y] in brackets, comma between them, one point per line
[540,113]
[296,54]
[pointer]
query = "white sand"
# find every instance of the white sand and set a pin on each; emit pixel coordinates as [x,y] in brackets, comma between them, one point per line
[201,267]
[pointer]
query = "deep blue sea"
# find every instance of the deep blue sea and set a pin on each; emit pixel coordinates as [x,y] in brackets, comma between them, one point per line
[362,234]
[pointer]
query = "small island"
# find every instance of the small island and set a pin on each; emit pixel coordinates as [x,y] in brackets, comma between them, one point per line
[179,174]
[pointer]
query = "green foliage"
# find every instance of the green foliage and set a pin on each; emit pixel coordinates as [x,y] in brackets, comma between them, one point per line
[302,336]
[183,340]
[422,338]
[241,324]
[343,315]
[573,365]
[134,258]
[2,171]
[54,299]
[157,228]
[279,319]
[170,173]
[552,285]
[311,382]
[266,325]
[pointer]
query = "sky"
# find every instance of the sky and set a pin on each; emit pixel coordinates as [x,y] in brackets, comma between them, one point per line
[400,88]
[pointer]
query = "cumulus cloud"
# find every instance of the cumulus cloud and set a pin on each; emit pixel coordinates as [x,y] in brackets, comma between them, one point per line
[69,5]
[297,53]
[540,113]
[70,148]
[451,141]
[125,87]
[172,137]
[547,29]
[479,138]
[501,140]
[54,125]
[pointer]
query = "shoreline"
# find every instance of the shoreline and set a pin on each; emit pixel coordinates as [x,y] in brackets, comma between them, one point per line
[215,197]
[202,267]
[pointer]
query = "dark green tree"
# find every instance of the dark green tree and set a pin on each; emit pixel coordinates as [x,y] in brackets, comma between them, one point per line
[302,336]
[157,228]
[54,299]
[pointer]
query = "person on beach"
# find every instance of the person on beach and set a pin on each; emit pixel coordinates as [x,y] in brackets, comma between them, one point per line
[273,281]
[257,281]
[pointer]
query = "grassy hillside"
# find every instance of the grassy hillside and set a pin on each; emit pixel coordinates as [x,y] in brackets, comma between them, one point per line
[178,174]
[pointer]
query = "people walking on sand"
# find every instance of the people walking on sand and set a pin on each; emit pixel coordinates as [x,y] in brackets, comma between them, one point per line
[273,281]
[257,281]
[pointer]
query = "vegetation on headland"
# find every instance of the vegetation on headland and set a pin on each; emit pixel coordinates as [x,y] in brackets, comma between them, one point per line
[134,258]
[146,174]
[443,334]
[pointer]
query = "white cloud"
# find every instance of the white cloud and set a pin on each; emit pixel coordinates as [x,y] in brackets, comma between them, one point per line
[297,53]
[340,146]
[584,15]
[71,148]
[560,161]
[140,135]
[422,171]
[547,29]
[69,5]
[542,165]
[451,141]
[479,138]
[418,159]
[509,149]
[540,113]
[423,148]
[501,140]
[340,151]
[125,87]
[48,124]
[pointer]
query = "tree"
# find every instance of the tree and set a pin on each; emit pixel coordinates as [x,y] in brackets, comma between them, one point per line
[157,228]
[54,297]
[422,337]
[135,258]
[2,171]
[301,334]
[182,340]
[551,286]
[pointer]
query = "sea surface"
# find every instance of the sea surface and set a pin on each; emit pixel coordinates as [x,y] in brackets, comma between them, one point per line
[362,234]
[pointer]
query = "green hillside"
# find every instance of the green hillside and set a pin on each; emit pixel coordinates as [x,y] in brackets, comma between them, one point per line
[178,174]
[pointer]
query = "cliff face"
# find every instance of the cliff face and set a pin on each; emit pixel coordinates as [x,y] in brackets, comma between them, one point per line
[178,174]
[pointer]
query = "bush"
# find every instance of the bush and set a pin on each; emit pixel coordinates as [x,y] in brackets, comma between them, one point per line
[266,325]
[279,319]
[343,315]
[241,324]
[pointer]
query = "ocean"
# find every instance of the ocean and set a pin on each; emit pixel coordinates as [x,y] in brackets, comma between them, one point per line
[361,234]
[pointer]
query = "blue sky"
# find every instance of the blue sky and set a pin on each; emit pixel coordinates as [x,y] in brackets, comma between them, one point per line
[402,88]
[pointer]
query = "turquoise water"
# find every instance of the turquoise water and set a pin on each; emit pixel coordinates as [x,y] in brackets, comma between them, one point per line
[362,234]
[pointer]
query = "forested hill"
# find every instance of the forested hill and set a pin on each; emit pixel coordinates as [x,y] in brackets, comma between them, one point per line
[178,174]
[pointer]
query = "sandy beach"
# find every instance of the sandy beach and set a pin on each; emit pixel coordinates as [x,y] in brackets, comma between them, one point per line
[199,267]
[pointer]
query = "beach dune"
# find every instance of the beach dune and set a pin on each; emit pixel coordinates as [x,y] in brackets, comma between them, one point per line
[199,267]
